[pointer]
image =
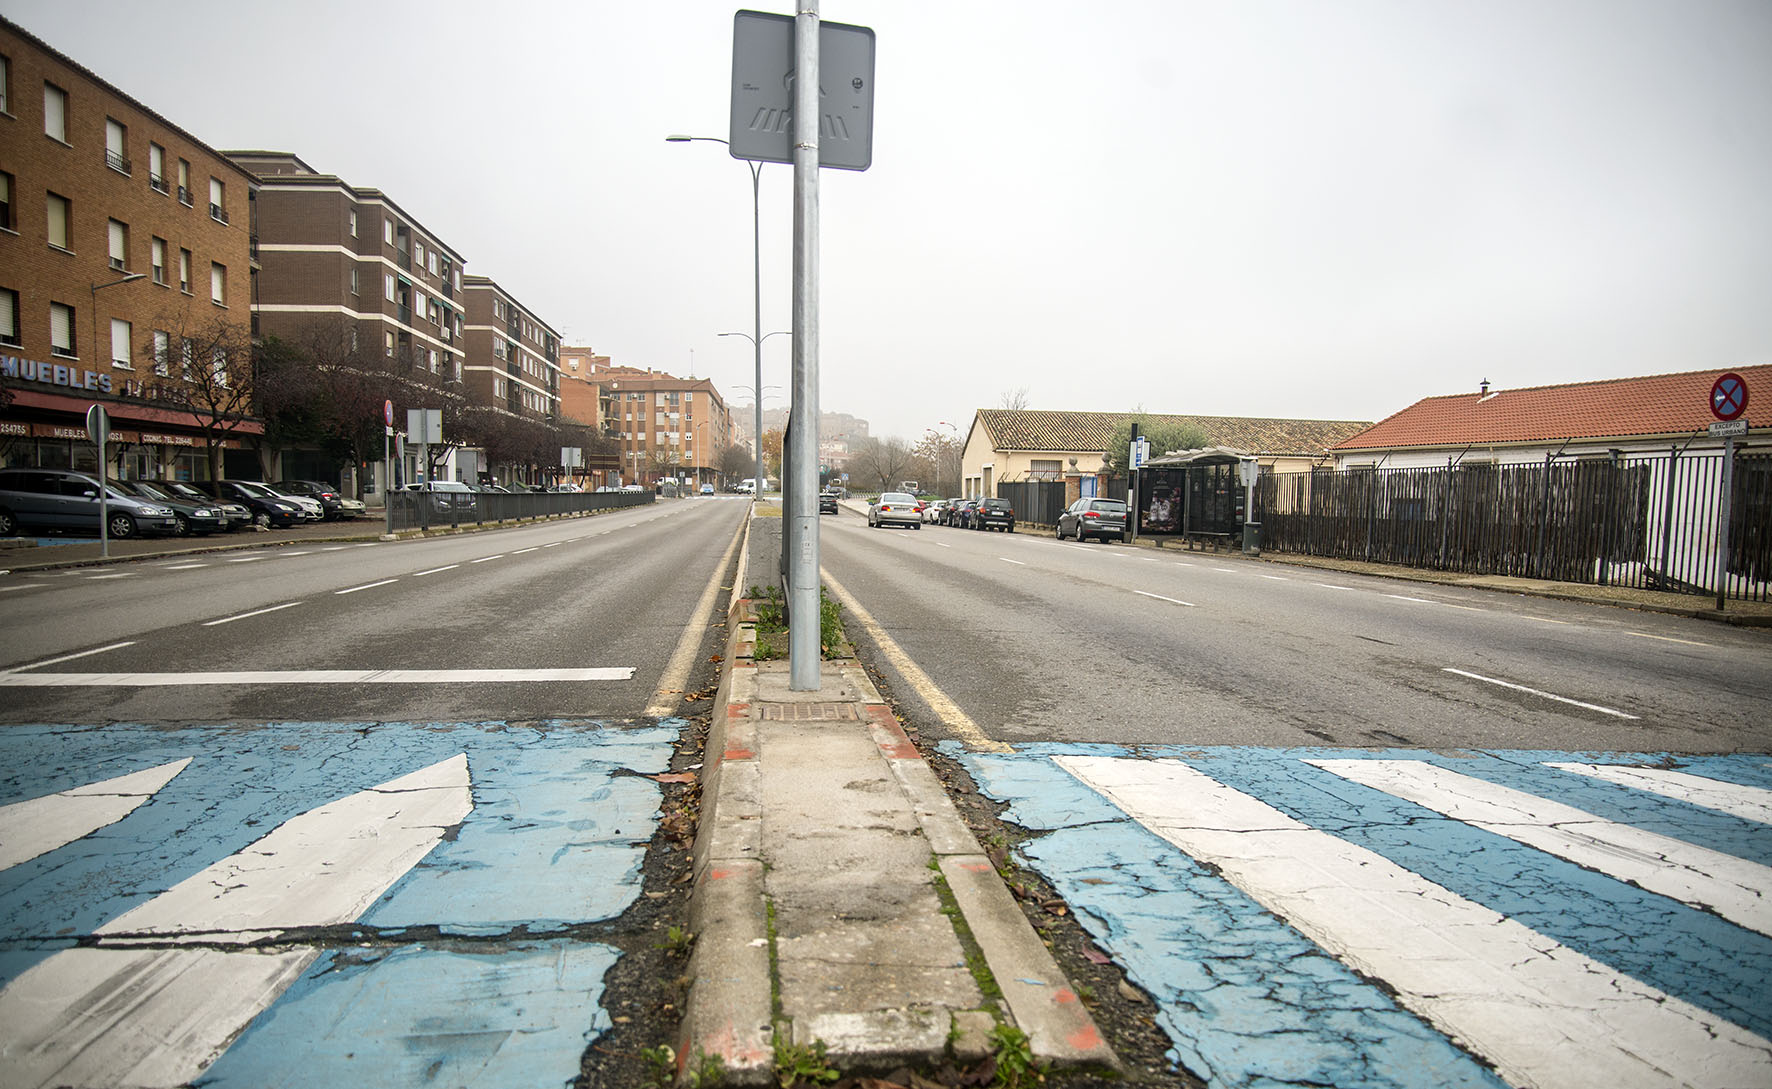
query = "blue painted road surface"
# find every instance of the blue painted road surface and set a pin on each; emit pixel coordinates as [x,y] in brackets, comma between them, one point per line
[315,904]
[1408,918]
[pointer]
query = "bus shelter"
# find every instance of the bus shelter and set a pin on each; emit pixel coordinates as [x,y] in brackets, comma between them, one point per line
[1193,494]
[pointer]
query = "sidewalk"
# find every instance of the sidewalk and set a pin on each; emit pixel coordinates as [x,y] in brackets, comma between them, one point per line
[839,899]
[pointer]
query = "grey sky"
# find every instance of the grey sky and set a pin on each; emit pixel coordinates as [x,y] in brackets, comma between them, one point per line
[1255,208]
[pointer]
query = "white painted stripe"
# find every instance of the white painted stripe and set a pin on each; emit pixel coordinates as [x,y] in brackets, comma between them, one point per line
[40,825]
[1669,639]
[1330,586]
[311,676]
[184,566]
[1747,802]
[435,570]
[1017,563]
[1736,889]
[1536,692]
[1277,578]
[1418,600]
[520,551]
[245,559]
[334,548]
[366,586]
[1544,619]
[1184,563]
[80,654]
[1170,600]
[120,575]
[16,586]
[1225,570]
[1542,1013]
[303,552]
[553,544]
[255,612]
[483,559]
[118,1014]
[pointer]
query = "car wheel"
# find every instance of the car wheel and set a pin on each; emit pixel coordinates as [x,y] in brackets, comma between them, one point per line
[916,525]
[182,524]
[262,520]
[8,524]
[122,527]
[1010,528]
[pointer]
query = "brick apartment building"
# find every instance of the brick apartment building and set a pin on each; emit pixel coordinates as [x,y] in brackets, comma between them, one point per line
[513,356]
[664,426]
[126,275]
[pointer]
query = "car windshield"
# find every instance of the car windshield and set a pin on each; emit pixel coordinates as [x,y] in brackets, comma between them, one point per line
[896,497]
[185,491]
[1110,506]
[254,489]
[151,491]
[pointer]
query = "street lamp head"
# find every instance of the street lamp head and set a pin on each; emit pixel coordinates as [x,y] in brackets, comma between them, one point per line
[680,138]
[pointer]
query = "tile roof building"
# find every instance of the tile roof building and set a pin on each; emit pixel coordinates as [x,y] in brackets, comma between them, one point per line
[1523,425]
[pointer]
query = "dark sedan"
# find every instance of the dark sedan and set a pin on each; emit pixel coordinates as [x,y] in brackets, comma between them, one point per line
[827,503]
[192,516]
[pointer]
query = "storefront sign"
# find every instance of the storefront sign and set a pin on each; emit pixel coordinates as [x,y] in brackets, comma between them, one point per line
[169,440]
[54,374]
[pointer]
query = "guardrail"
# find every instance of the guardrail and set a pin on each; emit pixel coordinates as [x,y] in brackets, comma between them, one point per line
[409,510]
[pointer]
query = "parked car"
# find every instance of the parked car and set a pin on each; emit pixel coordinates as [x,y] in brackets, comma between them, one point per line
[311,510]
[448,497]
[61,499]
[896,508]
[950,510]
[268,509]
[827,502]
[1101,518]
[235,515]
[994,514]
[964,513]
[192,516]
[933,511]
[333,503]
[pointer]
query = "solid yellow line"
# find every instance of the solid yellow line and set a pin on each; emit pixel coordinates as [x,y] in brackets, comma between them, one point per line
[958,722]
[676,671]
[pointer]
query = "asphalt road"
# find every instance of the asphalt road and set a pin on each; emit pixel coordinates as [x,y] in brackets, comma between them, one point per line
[1039,640]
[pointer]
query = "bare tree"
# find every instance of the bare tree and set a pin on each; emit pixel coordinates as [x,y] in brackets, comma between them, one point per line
[882,460]
[1014,399]
[206,368]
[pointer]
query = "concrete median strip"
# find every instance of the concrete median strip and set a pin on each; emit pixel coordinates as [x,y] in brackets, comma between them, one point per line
[827,867]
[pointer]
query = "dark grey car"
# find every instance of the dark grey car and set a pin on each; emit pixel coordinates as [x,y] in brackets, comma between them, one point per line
[1104,519]
[66,500]
[191,516]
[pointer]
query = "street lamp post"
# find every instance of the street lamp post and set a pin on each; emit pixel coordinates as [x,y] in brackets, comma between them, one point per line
[757,338]
[96,288]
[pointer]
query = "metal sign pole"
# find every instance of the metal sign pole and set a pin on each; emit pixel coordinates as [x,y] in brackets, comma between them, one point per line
[803,604]
[1723,529]
[98,428]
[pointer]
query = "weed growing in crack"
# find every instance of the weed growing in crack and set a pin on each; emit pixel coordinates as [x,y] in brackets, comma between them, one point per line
[1016,1066]
[796,1063]
[678,941]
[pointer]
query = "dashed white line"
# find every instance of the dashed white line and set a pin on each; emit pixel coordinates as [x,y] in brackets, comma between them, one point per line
[434,570]
[255,612]
[1017,563]
[1417,600]
[71,657]
[119,575]
[334,548]
[303,552]
[553,544]
[1225,570]
[1536,692]
[184,566]
[1276,578]
[1170,600]
[245,559]
[1669,639]
[520,551]
[1331,586]
[366,586]
[483,559]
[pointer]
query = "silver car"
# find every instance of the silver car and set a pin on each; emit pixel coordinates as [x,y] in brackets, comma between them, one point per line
[895,508]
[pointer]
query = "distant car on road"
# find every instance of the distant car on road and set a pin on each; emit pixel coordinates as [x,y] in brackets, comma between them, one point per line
[1101,518]
[895,508]
[707,489]
[827,503]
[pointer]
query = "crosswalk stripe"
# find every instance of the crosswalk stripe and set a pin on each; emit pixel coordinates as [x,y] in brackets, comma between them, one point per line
[122,1014]
[1542,1012]
[1735,888]
[1747,802]
[40,825]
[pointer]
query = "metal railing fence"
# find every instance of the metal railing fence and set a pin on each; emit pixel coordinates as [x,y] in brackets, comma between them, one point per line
[436,510]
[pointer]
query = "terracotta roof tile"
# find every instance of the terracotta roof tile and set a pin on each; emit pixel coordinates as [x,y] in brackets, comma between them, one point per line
[1029,429]
[1617,408]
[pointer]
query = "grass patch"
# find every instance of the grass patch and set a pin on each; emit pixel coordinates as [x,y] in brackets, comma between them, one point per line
[772,625]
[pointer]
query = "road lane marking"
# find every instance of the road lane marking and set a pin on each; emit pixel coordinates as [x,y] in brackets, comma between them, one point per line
[1277,578]
[553,544]
[1417,600]
[1734,888]
[245,559]
[1331,586]
[1669,639]
[676,671]
[1544,619]
[79,1017]
[120,575]
[255,612]
[71,657]
[313,676]
[957,721]
[183,566]
[1017,563]
[1170,600]
[1536,692]
[1184,563]
[1541,1012]
[1747,802]
[520,551]
[484,559]
[303,552]
[40,825]
[334,548]
[435,570]
[366,586]
[1225,570]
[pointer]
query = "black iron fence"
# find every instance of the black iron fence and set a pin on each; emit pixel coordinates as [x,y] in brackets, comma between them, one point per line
[1646,521]
[1037,501]
[436,510]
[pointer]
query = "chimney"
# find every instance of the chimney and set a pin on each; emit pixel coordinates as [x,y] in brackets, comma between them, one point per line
[1483,389]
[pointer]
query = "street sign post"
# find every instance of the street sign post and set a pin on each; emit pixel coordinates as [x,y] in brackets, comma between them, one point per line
[1728,396]
[98,429]
[1728,400]
[763,66]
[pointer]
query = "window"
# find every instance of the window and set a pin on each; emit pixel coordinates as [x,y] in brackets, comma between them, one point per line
[388,286]
[388,344]
[119,245]
[218,204]
[433,361]
[352,214]
[433,262]
[5,85]
[187,356]
[353,338]
[184,271]
[9,317]
[354,279]
[157,168]
[218,284]
[162,353]
[418,252]
[457,360]
[218,367]
[387,231]
[116,145]
[120,336]
[158,260]
[61,329]
[61,215]
[6,220]
[55,112]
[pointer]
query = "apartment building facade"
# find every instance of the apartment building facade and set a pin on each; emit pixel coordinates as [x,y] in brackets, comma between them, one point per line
[126,276]
[665,427]
[513,357]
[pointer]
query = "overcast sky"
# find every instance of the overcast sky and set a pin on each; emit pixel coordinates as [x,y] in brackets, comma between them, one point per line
[1307,209]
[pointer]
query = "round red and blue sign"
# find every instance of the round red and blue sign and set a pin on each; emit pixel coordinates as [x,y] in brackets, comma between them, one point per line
[1728,396]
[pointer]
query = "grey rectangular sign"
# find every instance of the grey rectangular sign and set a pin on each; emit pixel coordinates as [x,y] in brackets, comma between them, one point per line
[762,125]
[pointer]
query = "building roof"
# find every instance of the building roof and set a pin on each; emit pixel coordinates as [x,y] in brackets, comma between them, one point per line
[1617,408]
[1029,429]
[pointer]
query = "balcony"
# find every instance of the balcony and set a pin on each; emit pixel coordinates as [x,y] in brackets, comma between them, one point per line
[448,288]
[405,313]
[184,196]
[404,257]
[157,183]
[116,161]
[218,213]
